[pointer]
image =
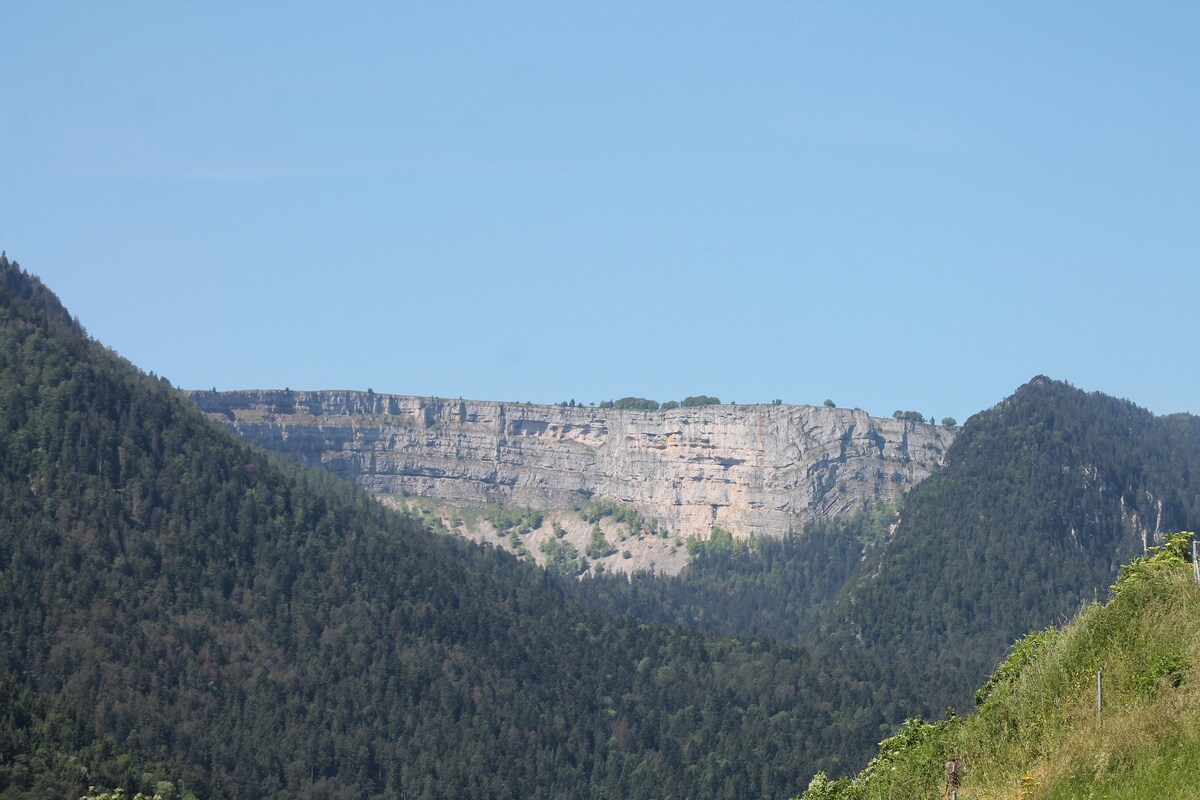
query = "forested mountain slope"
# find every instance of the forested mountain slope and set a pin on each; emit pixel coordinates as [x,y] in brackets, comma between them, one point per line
[48,749]
[209,613]
[1041,500]
[274,632]
[783,588]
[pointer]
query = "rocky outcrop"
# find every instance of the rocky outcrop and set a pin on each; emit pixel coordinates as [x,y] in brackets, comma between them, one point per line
[753,469]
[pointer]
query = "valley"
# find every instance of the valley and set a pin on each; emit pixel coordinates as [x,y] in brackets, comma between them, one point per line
[181,609]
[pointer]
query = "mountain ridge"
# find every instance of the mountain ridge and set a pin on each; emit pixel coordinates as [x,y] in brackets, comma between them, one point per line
[272,630]
[749,469]
[1042,499]
[269,630]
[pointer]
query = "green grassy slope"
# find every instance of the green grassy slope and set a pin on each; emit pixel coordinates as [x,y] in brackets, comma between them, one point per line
[1036,732]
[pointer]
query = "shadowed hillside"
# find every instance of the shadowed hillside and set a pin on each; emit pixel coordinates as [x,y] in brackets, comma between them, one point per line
[270,631]
[1042,499]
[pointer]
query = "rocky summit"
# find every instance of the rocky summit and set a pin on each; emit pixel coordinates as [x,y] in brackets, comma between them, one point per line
[751,469]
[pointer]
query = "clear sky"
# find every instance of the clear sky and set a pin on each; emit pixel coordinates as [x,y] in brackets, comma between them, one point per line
[892,205]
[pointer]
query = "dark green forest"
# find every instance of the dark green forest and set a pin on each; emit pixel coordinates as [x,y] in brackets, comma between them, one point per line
[780,588]
[210,614]
[48,749]
[177,606]
[1040,500]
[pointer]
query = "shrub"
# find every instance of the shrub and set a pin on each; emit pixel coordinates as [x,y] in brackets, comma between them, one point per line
[599,547]
[637,404]
[700,400]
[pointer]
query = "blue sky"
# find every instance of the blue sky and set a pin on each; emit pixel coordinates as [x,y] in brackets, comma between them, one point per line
[896,206]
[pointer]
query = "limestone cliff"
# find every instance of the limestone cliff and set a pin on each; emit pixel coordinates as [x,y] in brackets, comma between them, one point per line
[753,469]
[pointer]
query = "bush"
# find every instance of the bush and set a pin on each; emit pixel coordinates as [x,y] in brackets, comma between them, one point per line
[599,546]
[700,400]
[720,541]
[514,520]
[596,509]
[562,557]
[1174,553]
[637,404]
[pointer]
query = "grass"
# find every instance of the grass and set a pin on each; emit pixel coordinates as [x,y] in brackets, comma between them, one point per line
[1035,733]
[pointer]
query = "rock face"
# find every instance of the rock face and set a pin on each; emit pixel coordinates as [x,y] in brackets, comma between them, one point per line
[752,469]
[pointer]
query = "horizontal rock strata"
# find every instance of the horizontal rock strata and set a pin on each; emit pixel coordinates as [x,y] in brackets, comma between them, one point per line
[753,469]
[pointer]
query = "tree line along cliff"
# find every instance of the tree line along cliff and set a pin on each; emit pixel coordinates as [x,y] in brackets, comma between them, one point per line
[750,469]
